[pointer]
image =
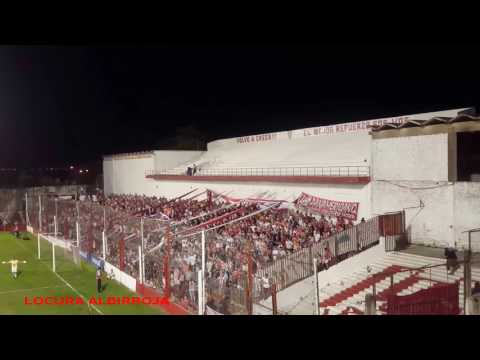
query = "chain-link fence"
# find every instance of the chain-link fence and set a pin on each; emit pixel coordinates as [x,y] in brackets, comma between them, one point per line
[33,211]
[66,220]
[154,244]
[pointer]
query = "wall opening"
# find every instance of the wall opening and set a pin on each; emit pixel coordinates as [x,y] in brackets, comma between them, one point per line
[468,160]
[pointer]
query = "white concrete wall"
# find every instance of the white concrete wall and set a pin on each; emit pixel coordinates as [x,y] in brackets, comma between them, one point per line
[108,176]
[342,149]
[166,159]
[129,175]
[428,208]
[414,158]
[467,212]
[448,210]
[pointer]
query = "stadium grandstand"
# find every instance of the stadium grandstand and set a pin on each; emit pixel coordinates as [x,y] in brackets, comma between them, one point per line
[344,219]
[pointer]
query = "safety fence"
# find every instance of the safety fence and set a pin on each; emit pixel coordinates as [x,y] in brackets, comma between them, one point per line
[331,171]
[97,230]
[298,266]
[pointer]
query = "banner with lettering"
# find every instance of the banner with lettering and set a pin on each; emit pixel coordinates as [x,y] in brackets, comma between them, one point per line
[344,209]
[353,127]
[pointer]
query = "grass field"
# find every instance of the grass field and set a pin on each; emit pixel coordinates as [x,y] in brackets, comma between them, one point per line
[36,278]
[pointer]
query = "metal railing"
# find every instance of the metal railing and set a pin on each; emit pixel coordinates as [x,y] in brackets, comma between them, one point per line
[298,265]
[333,171]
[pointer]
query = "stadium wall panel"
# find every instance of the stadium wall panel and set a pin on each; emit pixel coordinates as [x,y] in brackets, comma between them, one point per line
[429,208]
[467,212]
[129,175]
[108,176]
[414,158]
[167,159]
[343,149]
[437,213]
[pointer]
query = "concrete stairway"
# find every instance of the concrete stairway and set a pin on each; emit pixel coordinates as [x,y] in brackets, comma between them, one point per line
[348,294]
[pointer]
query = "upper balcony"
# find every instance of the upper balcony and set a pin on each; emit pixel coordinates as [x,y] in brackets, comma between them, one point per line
[308,175]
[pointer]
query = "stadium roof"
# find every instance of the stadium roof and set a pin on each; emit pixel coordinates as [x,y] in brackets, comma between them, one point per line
[422,123]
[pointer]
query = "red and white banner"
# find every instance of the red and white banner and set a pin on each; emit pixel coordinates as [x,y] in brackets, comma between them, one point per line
[344,209]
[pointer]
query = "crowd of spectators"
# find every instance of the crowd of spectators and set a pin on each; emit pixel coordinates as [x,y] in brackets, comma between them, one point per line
[250,229]
[175,209]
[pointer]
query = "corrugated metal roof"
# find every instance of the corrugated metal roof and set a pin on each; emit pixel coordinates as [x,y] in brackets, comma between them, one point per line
[422,123]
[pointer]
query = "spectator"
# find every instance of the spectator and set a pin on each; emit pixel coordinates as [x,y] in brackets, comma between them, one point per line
[266,287]
[327,257]
[452,263]
[99,280]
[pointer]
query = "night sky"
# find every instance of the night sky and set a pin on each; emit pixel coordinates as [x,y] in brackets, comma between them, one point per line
[64,105]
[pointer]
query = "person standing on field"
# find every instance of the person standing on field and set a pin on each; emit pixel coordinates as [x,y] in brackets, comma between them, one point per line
[99,280]
[14,266]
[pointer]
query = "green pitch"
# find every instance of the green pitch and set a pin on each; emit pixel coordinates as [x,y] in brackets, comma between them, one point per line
[36,278]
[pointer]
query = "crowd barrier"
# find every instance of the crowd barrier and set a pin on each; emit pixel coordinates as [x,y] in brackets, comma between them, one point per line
[298,266]
[123,278]
[340,171]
